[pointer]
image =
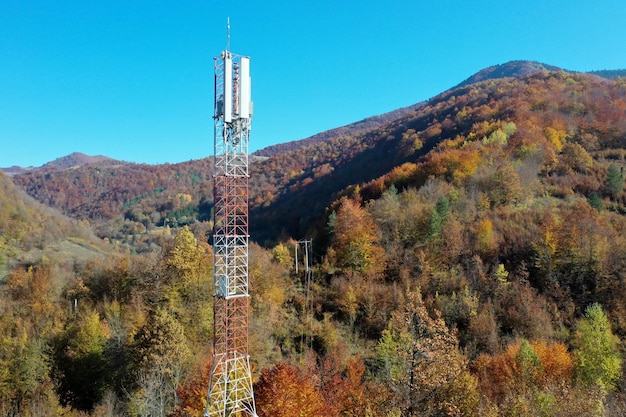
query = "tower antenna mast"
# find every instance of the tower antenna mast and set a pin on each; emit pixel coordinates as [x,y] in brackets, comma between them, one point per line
[228,34]
[230,392]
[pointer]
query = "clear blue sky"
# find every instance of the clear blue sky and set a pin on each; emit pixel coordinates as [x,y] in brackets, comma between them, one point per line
[133,79]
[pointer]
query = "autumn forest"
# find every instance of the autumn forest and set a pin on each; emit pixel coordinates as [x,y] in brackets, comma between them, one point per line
[468,259]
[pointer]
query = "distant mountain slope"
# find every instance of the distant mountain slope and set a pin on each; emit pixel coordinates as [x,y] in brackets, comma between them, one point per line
[521,68]
[78,159]
[360,127]
[509,69]
[101,192]
[513,69]
[610,74]
[74,159]
[12,170]
[291,189]
[30,231]
[584,109]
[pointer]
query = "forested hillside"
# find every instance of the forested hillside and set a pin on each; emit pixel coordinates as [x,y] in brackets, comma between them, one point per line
[469,260]
[33,233]
[357,128]
[583,108]
[129,204]
[290,190]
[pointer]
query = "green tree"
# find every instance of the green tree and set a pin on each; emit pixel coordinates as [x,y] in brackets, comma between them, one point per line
[596,355]
[438,216]
[497,137]
[81,363]
[614,180]
[434,224]
[161,354]
[509,129]
[529,362]
[595,201]
[332,221]
[24,368]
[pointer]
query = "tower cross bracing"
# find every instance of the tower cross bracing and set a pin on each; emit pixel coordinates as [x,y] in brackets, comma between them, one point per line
[230,387]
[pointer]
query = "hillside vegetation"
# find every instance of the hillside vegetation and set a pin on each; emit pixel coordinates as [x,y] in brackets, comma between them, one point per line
[469,260]
[290,190]
[31,233]
[360,127]
[130,205]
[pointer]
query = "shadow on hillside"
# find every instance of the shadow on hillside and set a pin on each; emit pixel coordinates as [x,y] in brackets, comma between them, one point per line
[301,213]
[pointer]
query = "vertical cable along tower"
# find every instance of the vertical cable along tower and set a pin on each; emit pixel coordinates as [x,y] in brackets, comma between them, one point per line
[230,387]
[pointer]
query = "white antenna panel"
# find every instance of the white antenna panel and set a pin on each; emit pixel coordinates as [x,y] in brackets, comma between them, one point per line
[244,91]
[228,89]
[222,285]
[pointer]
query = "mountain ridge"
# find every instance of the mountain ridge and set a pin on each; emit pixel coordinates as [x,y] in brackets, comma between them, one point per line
[291,190]
[78,159]
[74,159]
[362,126]
[514,68]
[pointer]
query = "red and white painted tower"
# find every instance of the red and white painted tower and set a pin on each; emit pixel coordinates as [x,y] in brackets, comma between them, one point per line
[230,388]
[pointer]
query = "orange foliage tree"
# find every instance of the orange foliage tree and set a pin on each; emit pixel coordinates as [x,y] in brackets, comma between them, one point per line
[192,395]
[353,396]
[284,391]
[355,240]
[454,165]
[530,373]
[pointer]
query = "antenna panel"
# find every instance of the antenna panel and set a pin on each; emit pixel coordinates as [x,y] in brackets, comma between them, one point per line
[222,285]
[228,89]
[244,91]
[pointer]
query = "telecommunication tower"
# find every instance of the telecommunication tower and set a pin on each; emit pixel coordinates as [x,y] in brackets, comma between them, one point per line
[230,387]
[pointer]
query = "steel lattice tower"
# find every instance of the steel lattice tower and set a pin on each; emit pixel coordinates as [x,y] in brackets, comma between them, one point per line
[230,387]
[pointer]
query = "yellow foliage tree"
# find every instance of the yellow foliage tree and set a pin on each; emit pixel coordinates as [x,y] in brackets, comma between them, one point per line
[423,364]
[453,164]
[187,258]
[555,137]
[574,158]
[485,236]
[282,255]
[188,288]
